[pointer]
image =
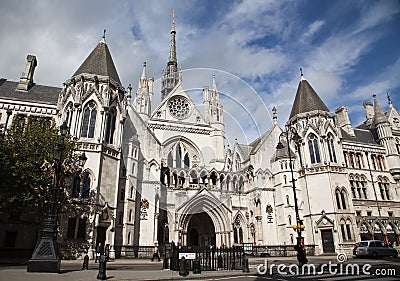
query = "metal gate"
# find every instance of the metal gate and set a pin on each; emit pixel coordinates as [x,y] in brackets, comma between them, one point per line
[210,258]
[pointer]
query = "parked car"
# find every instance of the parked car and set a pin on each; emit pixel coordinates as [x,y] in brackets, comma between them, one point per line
[373,248]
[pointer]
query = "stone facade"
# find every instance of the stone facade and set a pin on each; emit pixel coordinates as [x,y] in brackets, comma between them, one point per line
[164,174]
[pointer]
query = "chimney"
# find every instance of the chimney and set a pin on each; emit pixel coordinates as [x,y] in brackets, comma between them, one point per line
[344,121]
[369,111]
[26,80]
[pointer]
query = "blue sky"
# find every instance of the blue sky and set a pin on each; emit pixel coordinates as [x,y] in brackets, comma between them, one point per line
[348,50]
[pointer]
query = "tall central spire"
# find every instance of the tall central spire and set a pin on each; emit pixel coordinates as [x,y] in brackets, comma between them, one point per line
[170,76]
[172,44]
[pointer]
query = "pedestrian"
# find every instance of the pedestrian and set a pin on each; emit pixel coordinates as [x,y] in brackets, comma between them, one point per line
[156,254]
[85,265]
[301,253]
[107,252]
[99,250]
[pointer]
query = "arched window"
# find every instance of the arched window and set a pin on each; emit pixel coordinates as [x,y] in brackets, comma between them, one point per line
[290,219]
[130,216]
[178,156]
[287,199]
[331,149]
[170,161]
[186,161]
[253,232]
[85,185]
[68,117]
[131,192]
[235,235]
[129,238]
[343,196]
[338,203]
[383,184]
[81,186]
[110,127]
[89,120]
[358,185]
[346,230]
[314,149]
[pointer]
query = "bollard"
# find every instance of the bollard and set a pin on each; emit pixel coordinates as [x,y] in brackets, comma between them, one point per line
[183,267]
[245,265]
[102,268]
[165,264]
[196,267]
[85,262]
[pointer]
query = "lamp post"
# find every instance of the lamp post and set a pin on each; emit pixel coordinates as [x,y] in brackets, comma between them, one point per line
[45,256]
[291,134]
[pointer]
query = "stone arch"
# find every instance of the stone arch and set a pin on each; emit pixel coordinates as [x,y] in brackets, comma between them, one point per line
[238,227]
[217,211]
[365,230]
[188,148]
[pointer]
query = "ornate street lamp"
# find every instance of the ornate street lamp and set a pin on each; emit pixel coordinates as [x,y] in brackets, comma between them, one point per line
[45,256]
[291,135]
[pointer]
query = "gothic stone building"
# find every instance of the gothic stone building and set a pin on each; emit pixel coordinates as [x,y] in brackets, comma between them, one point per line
[157,174]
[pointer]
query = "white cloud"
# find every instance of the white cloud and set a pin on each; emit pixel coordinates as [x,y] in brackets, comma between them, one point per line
[312,29]
[257,40]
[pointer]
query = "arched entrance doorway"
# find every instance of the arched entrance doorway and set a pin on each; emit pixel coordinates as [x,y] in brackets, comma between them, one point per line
[201,231]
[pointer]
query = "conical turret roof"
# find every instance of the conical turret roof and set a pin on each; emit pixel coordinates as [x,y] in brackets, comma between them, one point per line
[379,115]
[99,62]
[306,99]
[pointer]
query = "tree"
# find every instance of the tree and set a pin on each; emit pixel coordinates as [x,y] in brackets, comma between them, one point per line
[27,165]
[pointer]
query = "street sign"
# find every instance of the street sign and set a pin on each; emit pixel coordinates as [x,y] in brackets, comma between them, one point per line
[188,256]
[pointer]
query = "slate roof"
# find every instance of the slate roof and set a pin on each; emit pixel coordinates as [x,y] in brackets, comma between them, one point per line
[246,149]
[306,100]
[361,136]
[99,62]
[37,93]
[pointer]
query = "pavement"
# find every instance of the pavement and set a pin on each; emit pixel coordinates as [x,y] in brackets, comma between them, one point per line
[127,270]
[146,270]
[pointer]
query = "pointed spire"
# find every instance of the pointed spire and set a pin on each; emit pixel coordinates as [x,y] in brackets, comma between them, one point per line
[379,115]
[144,72]
[214,85]
[99,62]
[173,21]
[306,99]
[143,78]
[172,46]
[275,115]
[171,76]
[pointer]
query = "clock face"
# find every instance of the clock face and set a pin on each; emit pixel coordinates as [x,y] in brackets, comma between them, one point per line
[179,107]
